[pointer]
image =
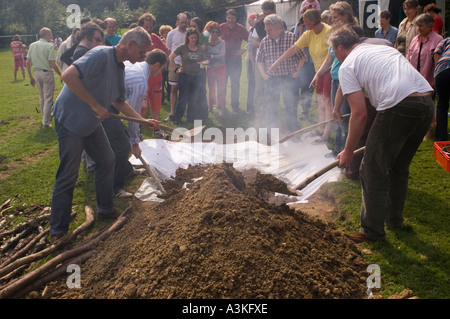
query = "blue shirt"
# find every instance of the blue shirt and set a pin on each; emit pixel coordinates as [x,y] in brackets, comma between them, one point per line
[390,35]
[114,39]
[103,77]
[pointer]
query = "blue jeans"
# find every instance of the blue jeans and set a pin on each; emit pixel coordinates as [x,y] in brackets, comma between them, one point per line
[341,128]
[391,145]
[120,144]
[70,148]
[287,87]
[234,71]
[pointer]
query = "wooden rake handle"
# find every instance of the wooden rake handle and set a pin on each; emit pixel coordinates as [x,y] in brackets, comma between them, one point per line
[308,128]
[322,171]
[144,122]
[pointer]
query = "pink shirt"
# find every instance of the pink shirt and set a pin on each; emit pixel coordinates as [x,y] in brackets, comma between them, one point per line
[426,55]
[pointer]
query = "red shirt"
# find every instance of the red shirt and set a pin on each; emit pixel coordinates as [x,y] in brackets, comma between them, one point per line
[233,39]
[438,25]
[157,43]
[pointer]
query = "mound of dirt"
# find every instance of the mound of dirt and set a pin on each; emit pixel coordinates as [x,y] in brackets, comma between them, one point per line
[219,238]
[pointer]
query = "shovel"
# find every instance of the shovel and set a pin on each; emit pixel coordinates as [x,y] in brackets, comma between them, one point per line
[149,170]
[309,128]
[191,132]
[322,171]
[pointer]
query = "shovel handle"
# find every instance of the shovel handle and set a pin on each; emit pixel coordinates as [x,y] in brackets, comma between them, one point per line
[322,171]
[308,128]
[133,119]
[152,174]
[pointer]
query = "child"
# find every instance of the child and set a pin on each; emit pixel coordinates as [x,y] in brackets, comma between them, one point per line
[308,4]
[17,50]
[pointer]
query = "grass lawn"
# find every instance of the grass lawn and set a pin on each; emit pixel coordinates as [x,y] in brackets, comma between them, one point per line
[417,257]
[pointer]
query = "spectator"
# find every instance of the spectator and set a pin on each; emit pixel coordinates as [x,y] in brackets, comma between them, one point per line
[402,98]
[258,33]
[17,51]
[233,33]
[70,42]
[326,17]
[421,50]
[79,111]
[315,38]
[41,56]
[342,14]
[386,30]
[163,31]
[216,72]
[110,33]
[442,83]
[58,41]
[175,38]
[154,95]
[309,4]
[250,65]
[280,80]
[198,24]
[190,78]
[438,26]
[407,29]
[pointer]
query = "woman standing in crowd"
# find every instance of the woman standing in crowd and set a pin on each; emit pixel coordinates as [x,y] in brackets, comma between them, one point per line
[190,78]
[442,83]
[434,11]
[407,29]
[216,73]
[421,50]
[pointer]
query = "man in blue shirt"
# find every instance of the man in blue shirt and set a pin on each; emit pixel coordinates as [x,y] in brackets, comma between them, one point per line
[110,33]
[93,82]
[386,30]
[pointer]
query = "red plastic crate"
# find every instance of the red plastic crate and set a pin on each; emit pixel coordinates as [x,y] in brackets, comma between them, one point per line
[442,158]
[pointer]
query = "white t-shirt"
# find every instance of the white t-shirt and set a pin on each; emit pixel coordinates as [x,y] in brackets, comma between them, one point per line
[383,73]
[175,38]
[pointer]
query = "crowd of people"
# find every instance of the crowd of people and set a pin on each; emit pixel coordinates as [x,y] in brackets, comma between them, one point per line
[402,68]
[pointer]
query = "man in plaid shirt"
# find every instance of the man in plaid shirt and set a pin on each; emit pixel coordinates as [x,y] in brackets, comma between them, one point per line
[281,81]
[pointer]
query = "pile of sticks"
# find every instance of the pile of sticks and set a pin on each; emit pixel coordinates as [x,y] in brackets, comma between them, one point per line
[26,245]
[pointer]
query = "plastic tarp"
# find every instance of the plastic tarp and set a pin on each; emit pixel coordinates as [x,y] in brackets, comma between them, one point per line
[291,162]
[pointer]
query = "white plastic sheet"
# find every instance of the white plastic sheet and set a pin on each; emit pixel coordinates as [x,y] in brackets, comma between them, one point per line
[291,161]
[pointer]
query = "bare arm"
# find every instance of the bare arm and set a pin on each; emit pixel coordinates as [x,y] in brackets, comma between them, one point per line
[262,71]
[172,57]
[30,74]
[55,67]
[339,99]
[356,127]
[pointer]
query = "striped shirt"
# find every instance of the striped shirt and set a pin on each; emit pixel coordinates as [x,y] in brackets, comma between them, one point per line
[443,50]
[270,50]
[136,85]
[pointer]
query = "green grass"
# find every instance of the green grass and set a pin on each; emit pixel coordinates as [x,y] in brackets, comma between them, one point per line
[417,258]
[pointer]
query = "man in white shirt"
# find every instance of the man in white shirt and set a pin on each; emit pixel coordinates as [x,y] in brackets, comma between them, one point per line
[405,109]
[175,38]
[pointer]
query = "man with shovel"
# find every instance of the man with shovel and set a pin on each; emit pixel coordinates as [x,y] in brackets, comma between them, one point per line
[405,109]
[93,82]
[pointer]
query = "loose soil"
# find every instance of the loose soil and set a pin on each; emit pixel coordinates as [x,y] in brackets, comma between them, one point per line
[221,238]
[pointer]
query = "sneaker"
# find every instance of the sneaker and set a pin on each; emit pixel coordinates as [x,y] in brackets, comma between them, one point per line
[139,171]
[160,134]
[168,118]
[114,215]
[121,193]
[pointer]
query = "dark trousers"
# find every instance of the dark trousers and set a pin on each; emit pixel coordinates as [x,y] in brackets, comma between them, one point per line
[251,86]
[276,86]
[70,148]
[234,70]
[442,83]
[120,144]
[306,93]
[391,145]
[189,92]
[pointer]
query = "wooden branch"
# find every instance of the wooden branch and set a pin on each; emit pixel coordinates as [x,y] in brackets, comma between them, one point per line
[6,203]
[20,227]
[15,290]
[61,243]
[24,250]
